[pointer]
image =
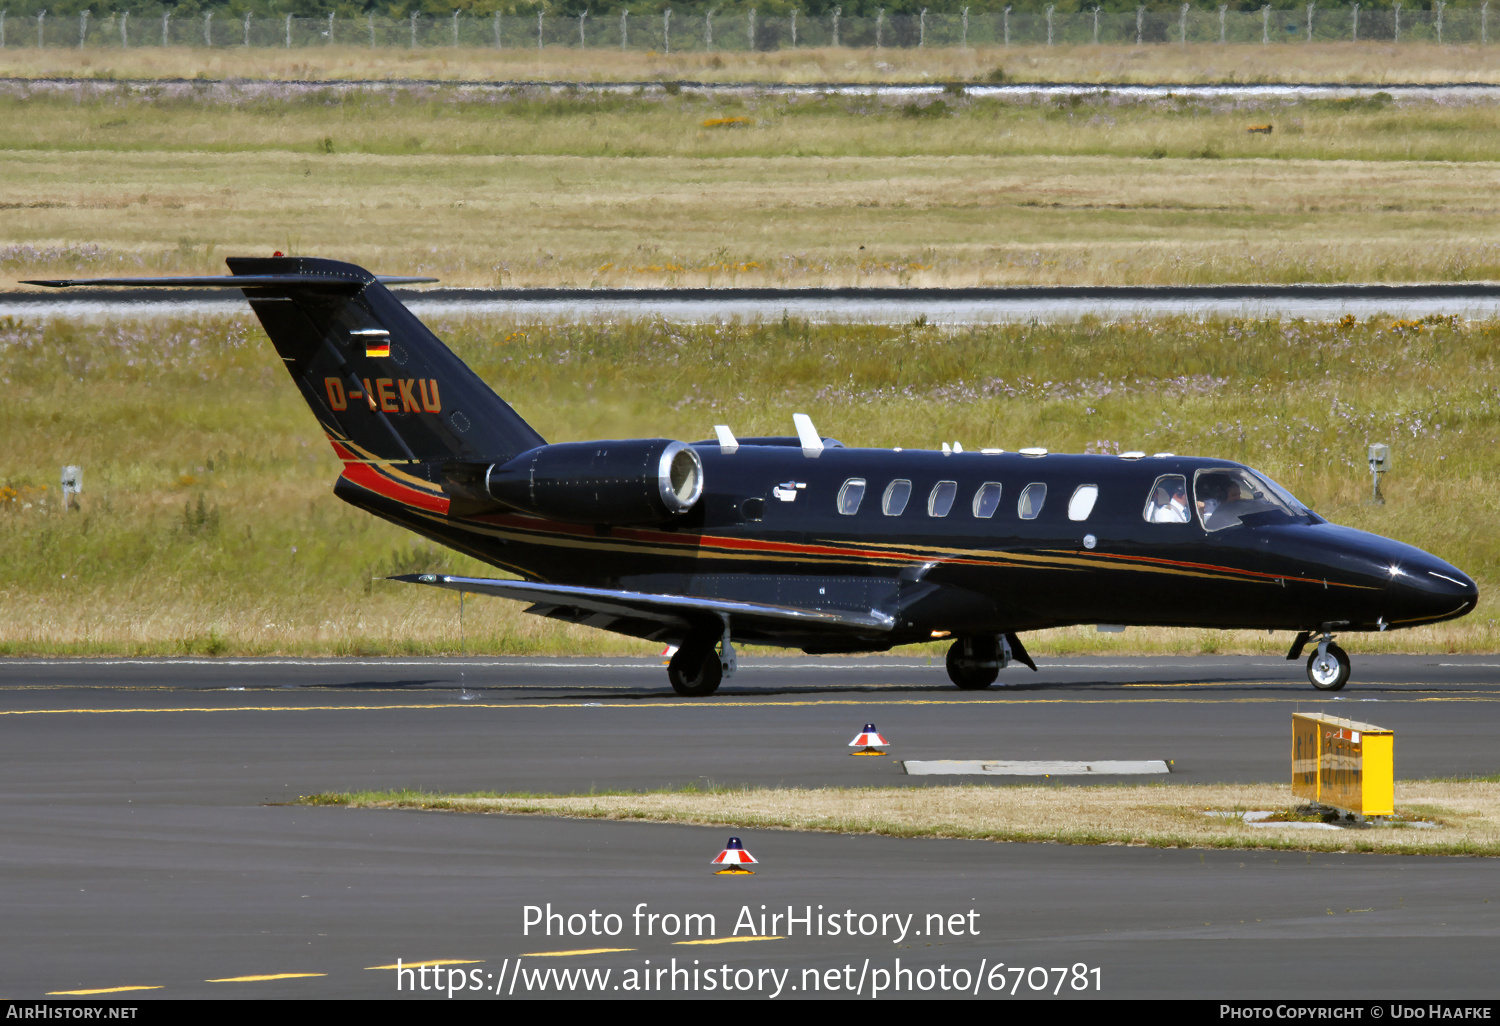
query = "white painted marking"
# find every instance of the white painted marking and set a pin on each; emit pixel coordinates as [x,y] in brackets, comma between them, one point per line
[1041,768]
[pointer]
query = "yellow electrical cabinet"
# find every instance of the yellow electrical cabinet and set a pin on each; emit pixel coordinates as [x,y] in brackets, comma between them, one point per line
[1345,765]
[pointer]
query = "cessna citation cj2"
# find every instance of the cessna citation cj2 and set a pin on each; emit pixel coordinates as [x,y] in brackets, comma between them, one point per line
[800,542]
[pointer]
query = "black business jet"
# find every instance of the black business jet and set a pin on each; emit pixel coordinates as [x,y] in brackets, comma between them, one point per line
[798,541]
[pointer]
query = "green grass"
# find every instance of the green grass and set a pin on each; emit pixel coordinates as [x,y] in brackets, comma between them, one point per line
[208,527]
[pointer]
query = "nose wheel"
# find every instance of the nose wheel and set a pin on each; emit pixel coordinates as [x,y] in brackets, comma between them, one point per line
[1328,667]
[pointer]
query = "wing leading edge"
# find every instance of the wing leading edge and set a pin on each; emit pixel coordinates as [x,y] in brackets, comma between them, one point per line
[651,615]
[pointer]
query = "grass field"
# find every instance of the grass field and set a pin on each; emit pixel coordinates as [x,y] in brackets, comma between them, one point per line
[1465,814]
[536,189]
[207,523]
[1317,62]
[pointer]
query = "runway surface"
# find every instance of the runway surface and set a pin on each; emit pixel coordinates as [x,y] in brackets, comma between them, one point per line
[144,846]
[1474,300]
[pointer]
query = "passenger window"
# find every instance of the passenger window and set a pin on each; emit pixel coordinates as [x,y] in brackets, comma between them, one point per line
[850,496]
[1030,506]
[1167,502]
[941,499]
[896,495]
[987,500]
[1082,502]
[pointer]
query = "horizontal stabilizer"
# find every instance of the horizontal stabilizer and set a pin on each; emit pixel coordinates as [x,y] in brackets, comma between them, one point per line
[685,611]
[235,281]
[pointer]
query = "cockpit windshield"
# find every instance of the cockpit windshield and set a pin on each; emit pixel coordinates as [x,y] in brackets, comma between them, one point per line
[1229,496]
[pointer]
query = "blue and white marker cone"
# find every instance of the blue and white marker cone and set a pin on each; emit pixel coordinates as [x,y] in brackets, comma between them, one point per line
[869,741]
[734,858]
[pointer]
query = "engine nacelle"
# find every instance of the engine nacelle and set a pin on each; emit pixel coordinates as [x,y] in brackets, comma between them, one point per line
[629,481]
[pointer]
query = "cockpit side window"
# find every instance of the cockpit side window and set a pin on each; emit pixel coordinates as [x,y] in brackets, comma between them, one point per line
[941,499]
[1229,496]
[1029,507]
[987,500]
[896,495]
[1167,502]
[851,495]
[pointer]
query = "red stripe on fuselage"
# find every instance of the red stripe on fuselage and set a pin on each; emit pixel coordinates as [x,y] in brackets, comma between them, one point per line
[369,477]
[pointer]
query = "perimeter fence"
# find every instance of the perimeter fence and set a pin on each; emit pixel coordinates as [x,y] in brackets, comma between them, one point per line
[687,32]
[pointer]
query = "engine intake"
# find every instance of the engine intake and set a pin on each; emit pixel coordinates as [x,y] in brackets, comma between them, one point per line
[630,481]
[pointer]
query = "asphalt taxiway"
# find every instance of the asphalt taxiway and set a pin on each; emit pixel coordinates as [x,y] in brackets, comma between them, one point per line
[145,845]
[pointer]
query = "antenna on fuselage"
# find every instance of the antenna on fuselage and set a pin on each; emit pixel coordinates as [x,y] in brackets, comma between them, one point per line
[812,443]
[728,444]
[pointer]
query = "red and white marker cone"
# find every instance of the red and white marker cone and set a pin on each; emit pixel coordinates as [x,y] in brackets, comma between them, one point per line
[869,741]
[734,858]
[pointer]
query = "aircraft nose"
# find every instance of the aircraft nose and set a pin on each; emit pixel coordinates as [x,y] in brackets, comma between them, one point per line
[1431,588]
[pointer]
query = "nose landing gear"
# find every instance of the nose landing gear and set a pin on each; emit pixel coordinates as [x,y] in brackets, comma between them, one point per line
[1328,667]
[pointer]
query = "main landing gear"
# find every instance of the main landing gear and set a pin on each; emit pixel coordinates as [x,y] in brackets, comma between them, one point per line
[1328,666]
[697,668]
[975,660]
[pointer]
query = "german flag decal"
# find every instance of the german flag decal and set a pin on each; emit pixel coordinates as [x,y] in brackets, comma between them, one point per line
[377,340]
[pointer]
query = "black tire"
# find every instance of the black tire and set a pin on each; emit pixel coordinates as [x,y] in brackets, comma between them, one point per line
[1331,675]
[976,670]
[695,669]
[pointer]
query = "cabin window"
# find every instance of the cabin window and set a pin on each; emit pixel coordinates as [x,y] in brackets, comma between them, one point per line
[896,495]
[987,500]
[941,499]
[1167,502]
[1030,505]
[1082,502]
[850,496]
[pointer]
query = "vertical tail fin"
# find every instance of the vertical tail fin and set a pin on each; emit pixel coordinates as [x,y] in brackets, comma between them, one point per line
[382,385]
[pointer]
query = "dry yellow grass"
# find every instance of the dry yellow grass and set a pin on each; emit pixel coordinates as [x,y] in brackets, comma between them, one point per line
[1317,62]
[1171,815]
[614,221]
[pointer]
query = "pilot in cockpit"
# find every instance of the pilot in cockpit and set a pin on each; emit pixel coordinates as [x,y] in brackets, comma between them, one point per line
[1216,489]
[1171,503]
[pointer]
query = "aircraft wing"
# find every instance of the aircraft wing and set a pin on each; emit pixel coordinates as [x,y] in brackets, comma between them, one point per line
[652,615]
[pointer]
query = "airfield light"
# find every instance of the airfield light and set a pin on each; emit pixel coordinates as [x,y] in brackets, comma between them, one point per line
[1380,462]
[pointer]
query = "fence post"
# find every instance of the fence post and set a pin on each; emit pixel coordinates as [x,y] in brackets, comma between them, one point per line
[2,30]
[166,28]
[1438,6]
[371,18]
[708,29]
[208,28]
[455,27]
[1007,26]
[582,40]
[247,30]
[1265,25]
[624,26]
[497,30]
[413,30]
[837,11]
[83,27]
[40,24]
[1484,24]
[1182,25]
[1397,8]
[1222,9]
[1310,9]
[666,30]
[1049,23]
[1096,26]
[752,30]
[880,27]
[965,42]
[922,28]
[794,28]
[1140,18]
[1354,32]
[288,31]
[124,32]
[538,30]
